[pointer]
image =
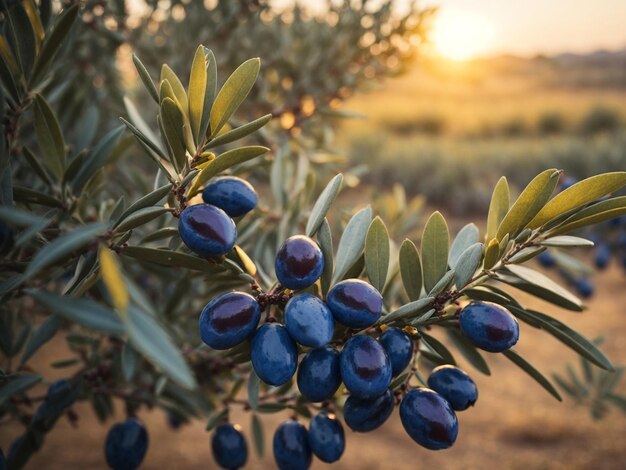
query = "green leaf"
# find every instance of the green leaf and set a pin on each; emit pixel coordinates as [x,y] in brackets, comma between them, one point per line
[82,311]
[469,351]
[322,205]
[443,284]
[410,269]
[579,195]
[566,241]
[409,310]
[22,34]
[146,79]
[141,217]
[129,363]
[492,254]
[29,196]
[325,241]
[232,94]
[36,165]
[529,203]
[223,162]
[466,237]
[49,136]
[595,214]
[160,234]
[240,132]
[544,283]
[8,80]
[258,435]
[216,418]
[254,383]
[180,95]
[567,336]
[170,258]
[435,241]
[351,242]
[41,336]
[377,253]
[467,264]
[53,41]
[437,346]
[63,246]
[18,384]
[525,254]
[173,122]
[15,216]
[148,200]
[97,159]
[534,373]
[499,206]
[150,339]
[197,91]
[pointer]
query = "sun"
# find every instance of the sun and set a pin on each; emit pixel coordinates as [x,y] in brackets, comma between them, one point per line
[460,35]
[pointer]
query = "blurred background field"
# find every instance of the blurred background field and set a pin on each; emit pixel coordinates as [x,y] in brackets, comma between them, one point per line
[449,129]
[439,136]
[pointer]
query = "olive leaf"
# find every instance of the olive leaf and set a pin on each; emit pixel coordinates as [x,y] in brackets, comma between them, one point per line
[435,241]
[410,269]
[377,253]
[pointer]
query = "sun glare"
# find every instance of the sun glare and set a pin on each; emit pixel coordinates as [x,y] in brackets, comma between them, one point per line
[461,35]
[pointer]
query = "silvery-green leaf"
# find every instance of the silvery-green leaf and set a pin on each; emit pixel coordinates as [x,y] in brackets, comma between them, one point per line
[435,241]
[141,217]
[85,312]
[438,347]
[351,242]
[240,132]
[325,241]
[533,372]
[409,310]
[377,253]
[467,264]
[148,200]
[444,283]
[469,351]
[566,241]
[258,435]
[499,206]
[410,269]
[146,79]
[151,340]
[323,203]
[466,237]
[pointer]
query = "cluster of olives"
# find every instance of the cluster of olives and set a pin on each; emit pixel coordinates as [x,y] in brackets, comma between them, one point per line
[208,229]
[364,365]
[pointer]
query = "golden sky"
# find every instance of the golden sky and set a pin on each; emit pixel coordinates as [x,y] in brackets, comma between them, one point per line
[535,26]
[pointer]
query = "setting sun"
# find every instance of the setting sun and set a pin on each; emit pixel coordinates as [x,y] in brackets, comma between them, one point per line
[461,35]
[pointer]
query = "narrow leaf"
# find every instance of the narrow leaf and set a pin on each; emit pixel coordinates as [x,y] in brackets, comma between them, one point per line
[325,241]
[468,264]
[197,90]
[377,253]
[579,195]
[499,206]
[232,94]
[240,132]
[351,242]
[466,237]
[49,136]
[435,241]
[411,269]
[322,205]
[529,203]
[534,373]
[469,351]
[409,310]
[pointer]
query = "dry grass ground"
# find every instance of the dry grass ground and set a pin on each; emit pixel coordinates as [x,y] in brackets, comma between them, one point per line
[515,424]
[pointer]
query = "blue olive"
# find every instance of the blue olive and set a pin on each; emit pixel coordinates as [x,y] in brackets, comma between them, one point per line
[428,418]
[326,438]
[355,303]
[230,450]
[309,320]
[291,446]
[366,415]
[299,262]
[455,386]
[274,354]
[546,259]
[229,319]
[365,367]
[489,326]
[584,287]
[233,195]
[603,256]
[207,230]
[126,445]
[318,374]
[399,347]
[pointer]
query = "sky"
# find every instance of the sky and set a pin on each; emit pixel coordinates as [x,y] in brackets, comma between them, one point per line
[529,27]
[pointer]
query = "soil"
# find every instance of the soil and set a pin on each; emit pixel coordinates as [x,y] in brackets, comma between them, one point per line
[514,425]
